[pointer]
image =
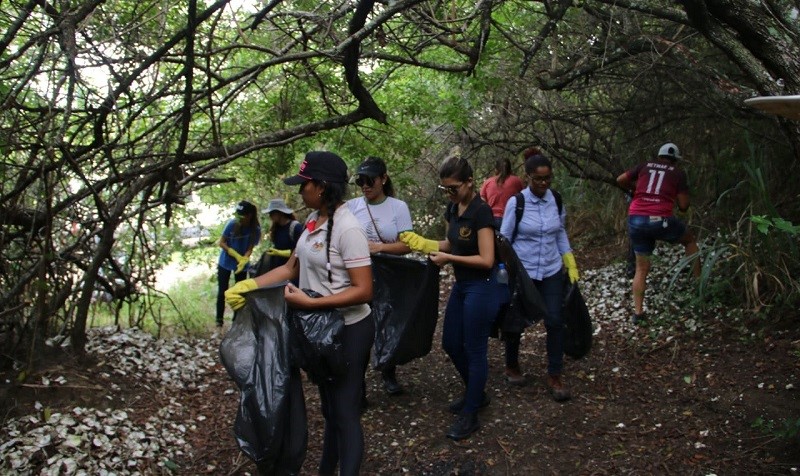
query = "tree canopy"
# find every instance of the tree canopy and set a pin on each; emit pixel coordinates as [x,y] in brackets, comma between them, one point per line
[113,113]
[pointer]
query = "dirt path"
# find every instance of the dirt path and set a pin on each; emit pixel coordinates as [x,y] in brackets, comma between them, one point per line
[676,397]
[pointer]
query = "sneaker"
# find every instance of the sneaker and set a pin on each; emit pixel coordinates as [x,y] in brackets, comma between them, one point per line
[630,271]
[514,376]
[458,404]
[557,388]
[464,426]
[391,386]
[638,318]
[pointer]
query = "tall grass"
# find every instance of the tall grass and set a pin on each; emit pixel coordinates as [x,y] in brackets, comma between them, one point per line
[754,261]
[185,308]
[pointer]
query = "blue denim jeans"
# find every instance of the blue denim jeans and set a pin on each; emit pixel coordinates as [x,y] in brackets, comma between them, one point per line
[645,230]
[471,311]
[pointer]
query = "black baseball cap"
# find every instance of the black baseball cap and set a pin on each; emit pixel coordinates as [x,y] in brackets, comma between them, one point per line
[320,165]
[372,167]
[245,208]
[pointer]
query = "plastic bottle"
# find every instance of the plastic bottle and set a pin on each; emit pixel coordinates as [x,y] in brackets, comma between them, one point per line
[502,274]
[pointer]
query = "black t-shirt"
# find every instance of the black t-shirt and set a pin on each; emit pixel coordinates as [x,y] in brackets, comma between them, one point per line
[285,238]
[462,234]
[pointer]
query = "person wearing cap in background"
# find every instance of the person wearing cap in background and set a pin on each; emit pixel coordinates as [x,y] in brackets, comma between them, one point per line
[383,218]
[284,232]
[238,239]
[332,258]
[657,185]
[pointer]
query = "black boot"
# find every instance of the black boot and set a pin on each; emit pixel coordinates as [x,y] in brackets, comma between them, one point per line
[464,426]
[458,404]
[390,382]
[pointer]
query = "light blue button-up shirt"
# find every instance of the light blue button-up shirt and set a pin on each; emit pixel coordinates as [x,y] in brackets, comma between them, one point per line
[541,237]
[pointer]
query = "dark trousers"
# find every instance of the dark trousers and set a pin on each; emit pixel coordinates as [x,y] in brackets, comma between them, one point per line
[341,404]
[471,311]
[552,291]
[223,281]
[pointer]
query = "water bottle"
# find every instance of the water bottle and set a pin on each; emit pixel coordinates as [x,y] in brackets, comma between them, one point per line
[502,274]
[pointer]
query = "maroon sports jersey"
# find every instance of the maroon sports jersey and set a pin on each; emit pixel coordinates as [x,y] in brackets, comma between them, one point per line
[657,186]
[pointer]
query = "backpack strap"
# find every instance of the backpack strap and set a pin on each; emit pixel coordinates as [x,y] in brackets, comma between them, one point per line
[559,201]
[518,211]
[293,229]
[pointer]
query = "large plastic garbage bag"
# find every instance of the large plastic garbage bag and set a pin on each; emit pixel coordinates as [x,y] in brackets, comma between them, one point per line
[270,426]
[405,305]
[317,342]
[577,322]
[526,305]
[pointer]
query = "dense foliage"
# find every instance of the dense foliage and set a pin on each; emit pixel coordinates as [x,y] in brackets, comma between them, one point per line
[115,114]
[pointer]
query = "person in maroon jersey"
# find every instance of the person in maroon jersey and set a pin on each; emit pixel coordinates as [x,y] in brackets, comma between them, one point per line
[656,185]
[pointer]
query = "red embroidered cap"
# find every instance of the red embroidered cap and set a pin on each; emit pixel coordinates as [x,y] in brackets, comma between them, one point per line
[320,165]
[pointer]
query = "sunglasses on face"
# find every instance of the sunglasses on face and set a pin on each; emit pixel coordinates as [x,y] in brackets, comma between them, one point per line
[365,180]
[450,189]
[540,178]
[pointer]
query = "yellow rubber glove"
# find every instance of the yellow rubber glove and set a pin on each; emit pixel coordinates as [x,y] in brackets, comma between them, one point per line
[241,261]
[419,243]
[233,296]
[235,254]
[683,214]
[281,253]
[572,267]
[241,265]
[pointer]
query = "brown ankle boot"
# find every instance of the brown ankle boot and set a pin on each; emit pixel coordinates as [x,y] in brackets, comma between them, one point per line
[557,388]
[514,376]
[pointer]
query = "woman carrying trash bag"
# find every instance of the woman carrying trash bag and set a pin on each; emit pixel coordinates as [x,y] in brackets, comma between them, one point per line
[542,246]
[474,299]
[383,218]
[331,258]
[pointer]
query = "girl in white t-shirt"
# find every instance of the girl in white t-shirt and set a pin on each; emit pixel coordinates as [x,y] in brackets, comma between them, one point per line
[383,218]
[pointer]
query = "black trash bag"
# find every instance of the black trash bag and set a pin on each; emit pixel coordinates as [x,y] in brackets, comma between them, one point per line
[270,426]
[405,306]
[577,322]
[317,342]
[526,306]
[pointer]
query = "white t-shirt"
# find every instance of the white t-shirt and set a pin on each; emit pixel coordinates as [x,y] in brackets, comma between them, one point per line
[349,248]
[391,217]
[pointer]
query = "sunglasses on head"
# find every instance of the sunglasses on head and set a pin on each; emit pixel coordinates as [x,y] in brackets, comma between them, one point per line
[450,189]
[365,180]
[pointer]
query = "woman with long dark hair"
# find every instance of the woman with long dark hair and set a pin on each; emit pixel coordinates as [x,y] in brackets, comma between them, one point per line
[284,231]
[497,189]
[238,239]
[474,299]
[383,218]
[332,258]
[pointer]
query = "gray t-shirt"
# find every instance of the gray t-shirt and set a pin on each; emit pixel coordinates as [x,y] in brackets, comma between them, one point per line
[388,219]
[349,249]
